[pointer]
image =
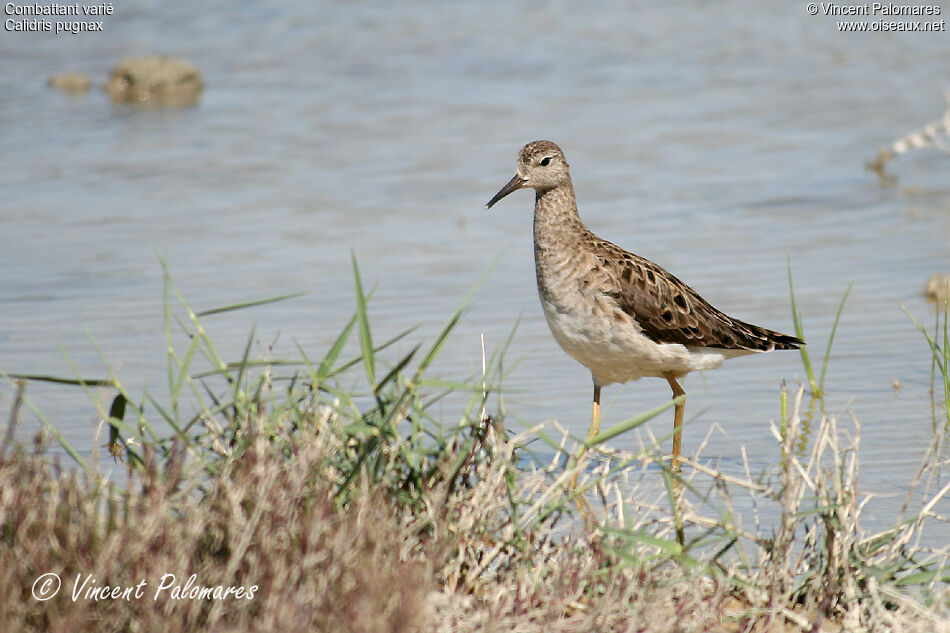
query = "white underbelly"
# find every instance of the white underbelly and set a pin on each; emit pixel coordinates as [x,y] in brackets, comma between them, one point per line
[613,348]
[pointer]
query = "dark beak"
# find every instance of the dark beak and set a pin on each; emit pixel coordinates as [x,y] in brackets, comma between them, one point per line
[513,185]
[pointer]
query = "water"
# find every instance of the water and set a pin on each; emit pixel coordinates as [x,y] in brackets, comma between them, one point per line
[714,140]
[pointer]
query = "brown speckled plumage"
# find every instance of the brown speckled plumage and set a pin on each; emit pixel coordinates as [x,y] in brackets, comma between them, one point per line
[669,311]
[620,315]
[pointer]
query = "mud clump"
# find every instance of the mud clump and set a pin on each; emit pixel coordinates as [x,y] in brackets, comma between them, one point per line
[72,83]
[155,81]
[938,289]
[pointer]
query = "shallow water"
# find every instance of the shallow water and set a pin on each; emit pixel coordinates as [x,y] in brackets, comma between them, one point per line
[715,140]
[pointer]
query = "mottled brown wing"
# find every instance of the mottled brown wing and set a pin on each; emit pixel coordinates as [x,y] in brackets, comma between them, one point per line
[669,311]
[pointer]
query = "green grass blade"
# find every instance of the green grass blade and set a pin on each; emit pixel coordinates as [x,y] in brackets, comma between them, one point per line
[638,536]
[249,304]
[940,354]
[931,341]
[165,415]
[326,365]
[800,331]
[439,342]
[453,321]
[398,367]
[50,428]
[945,362]
[831,337]
[208,348]
[362,318]
[183,375]
[632,423]
[59,380]
[242,367]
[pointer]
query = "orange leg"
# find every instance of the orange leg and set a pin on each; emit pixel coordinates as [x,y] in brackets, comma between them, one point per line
[594,429]
[592,432]
[678,411]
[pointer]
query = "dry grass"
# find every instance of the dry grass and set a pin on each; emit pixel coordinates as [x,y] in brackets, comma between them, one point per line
[267,520]
[487,553]
[360,510]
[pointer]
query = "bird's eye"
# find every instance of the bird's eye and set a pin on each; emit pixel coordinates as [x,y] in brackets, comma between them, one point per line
[545,161]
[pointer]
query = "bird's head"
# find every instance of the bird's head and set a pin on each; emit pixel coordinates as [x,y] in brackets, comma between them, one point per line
[541,166]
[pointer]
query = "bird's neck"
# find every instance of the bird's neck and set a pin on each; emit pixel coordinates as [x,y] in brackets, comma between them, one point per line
[556,221]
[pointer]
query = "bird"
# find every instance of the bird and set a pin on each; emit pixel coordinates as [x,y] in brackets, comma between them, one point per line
[619,314]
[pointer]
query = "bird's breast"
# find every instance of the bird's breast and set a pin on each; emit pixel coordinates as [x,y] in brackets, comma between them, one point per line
[591,328]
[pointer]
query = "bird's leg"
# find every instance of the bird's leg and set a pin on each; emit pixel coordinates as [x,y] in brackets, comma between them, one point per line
[594,429]
[678,411]
[592,432]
